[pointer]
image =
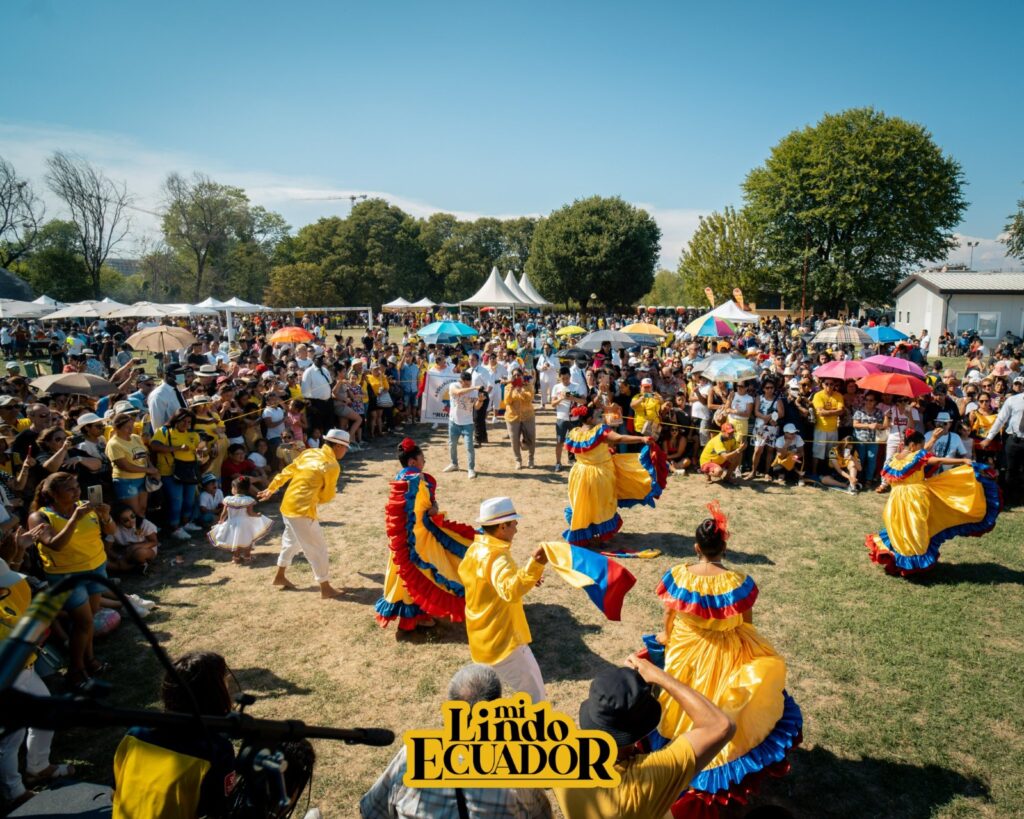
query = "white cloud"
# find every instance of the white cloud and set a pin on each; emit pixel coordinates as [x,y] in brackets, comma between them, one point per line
[989,254]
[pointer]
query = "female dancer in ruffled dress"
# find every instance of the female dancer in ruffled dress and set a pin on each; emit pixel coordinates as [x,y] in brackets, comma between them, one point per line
[709,643]
[928,507]
[421,582]
[601,481]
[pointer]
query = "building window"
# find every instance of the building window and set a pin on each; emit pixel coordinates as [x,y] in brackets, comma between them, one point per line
[899,315]
[966,323]
[908,317]
[985,325]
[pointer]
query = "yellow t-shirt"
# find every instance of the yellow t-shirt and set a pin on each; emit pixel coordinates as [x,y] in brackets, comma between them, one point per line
[171,437]
[495,586]
[716,449]
[822,401]
[646,407]
[649,784]
[134,450]
[83,551]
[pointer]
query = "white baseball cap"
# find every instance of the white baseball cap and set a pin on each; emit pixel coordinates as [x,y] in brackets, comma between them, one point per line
[789,429]
[497,510]
[647,382]
[337,436]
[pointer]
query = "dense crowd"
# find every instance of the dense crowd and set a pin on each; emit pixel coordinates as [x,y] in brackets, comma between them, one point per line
[162,456]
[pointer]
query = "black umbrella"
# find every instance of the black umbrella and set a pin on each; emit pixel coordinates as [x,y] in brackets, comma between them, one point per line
[576,354]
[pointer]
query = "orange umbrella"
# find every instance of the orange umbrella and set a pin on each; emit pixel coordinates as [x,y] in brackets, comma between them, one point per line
[290,335]
[894,384]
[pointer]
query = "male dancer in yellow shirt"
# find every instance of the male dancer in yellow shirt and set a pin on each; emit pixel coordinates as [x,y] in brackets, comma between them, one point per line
[312,479]
[495,586]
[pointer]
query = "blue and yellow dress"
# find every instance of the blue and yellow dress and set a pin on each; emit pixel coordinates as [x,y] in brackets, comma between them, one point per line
[422,576]
[714,648]
[925,510]
[601,481]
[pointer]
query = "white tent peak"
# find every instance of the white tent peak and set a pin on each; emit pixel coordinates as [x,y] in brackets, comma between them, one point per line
[210,301]
[527,287]
[493,293]
[731,310]
[398,303]
[513,285]
[424,302]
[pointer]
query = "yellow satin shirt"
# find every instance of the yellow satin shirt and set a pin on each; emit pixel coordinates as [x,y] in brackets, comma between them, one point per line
[495,587]
[312,479]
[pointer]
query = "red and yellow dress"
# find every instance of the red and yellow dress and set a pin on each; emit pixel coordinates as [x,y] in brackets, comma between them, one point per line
[601,481]
[925,510]
[714,648]
[422,576]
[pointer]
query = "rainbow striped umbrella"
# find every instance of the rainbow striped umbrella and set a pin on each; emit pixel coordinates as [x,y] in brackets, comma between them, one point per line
[710,327]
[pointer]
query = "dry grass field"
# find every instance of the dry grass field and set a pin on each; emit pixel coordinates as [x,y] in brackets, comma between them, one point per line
[911,691]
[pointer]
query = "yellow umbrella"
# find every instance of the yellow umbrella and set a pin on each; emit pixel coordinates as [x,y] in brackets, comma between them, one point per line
[643,328]
[571,330]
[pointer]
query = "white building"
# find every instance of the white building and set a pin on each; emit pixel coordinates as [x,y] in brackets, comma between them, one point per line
[990,304]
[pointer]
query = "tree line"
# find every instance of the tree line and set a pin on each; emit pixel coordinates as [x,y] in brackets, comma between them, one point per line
[837,214]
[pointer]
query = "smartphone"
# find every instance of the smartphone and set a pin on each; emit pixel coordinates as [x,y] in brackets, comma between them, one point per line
[95,495]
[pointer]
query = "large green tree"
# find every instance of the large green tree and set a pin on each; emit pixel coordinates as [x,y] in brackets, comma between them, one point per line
[466,257]
[668,289]
[55,265]
[862,197]
[725,251]
[1015,232]
[600,246]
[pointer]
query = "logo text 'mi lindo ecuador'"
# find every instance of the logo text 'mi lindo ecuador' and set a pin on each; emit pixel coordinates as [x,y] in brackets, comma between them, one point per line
[509,743]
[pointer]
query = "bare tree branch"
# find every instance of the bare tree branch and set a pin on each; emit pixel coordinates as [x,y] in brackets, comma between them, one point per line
[21,215]
[97,207]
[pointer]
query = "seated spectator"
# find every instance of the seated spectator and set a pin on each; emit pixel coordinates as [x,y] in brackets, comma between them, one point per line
[843,467]
[722,455]
[238,464]
[134,543]
[389,798]
[621,704]
[211,500]
[788,466]
[259,458]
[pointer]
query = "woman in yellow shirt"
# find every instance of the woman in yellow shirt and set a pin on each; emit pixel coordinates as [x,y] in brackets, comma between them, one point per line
[177,447]
[374,386]
[127,452]
[70,542]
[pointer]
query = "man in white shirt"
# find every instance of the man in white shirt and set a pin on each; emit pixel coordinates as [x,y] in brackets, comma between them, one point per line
[316,388]
[216,354]
[948,444]
[461,398]
[563,398]
[167,399]
[578,379]
[547,368]
[484,382]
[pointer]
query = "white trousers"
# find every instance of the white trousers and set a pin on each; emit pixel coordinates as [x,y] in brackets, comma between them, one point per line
[304,535]
[519,672]
[37,749]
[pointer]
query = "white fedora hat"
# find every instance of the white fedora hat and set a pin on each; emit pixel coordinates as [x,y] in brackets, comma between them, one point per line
[337,436]
[497,510]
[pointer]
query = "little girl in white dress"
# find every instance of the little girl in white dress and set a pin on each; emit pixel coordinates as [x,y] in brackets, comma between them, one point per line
[240,525]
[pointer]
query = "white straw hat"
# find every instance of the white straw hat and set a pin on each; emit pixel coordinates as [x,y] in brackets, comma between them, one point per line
[337,436]
[497,510]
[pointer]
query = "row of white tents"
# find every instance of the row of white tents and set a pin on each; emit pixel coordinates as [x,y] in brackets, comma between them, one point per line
[495,292]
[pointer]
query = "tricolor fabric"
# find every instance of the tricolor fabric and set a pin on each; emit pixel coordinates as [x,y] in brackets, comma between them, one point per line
[605,581]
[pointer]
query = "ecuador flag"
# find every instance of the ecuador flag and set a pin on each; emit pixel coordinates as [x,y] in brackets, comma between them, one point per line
[604,580]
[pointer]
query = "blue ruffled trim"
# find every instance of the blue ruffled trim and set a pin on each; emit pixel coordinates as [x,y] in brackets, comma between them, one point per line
[993,505]
[391,611]
[576,447]
[712,602]
[447,541]
[588,533]
[911,466]
[410,521]
[772,749]
[656,488]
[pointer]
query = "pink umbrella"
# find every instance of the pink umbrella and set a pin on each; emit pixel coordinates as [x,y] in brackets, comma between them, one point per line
[845,370]
[891,364]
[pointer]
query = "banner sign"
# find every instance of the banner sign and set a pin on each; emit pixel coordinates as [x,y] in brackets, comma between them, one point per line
[434,404]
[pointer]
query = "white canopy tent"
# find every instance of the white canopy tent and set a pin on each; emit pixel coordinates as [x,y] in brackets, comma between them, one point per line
[144,309]
[397,304]
[422,304]
[731,311]
[513,286]
[89,309]
[210,301]
[527,287]
[494,293]
[46,301]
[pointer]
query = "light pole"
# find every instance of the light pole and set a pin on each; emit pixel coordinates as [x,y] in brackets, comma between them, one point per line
[971,245]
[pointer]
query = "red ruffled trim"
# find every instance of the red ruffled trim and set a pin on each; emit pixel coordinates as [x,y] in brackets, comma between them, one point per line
[434,601]
[883,557]
[660,462]
[701,805]
[404,623]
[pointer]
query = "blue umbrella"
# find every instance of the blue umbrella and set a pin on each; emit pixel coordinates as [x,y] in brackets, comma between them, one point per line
[445,332]
[884,334]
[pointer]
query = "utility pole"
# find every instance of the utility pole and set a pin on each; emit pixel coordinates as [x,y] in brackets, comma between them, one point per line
[972,245]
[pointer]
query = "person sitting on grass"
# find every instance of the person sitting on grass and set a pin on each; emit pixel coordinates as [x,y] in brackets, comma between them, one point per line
[135,541]
[211,500]
[259,456]
[788,466]
[722,455]
[844,467]
[237,464]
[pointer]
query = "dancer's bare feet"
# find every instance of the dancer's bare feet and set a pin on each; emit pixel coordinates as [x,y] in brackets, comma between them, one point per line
[328,592]
[282,581]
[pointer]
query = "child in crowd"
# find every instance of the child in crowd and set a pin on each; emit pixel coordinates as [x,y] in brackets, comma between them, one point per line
[240,524]
[258,458]
[211,500]
[295,418]
[134,543]
[315,439]
[238,464]
[289,449]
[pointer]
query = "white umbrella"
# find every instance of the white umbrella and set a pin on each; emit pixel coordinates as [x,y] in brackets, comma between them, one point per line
[12,308]
[143,309]
[82,309]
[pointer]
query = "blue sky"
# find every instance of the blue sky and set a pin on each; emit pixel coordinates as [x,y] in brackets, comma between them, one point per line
[503,109]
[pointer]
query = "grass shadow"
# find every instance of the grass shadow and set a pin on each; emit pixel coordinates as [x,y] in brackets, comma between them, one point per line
[672,544]
[373,578]
[364,595]
[443,632]
[265,684]
[558,643]
[983,574]
[871,786]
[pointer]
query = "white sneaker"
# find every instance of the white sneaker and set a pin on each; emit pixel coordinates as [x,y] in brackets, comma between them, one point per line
[192,527]
[451,468]
[519,464]
[471,474]
[181,534]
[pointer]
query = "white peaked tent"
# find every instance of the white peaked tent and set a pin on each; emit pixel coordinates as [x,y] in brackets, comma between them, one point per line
[494,293]
[210,301]
[422,304]
[397,304]
[238,305]
[731,311]
[46,301]
[527,287]
[513,285]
